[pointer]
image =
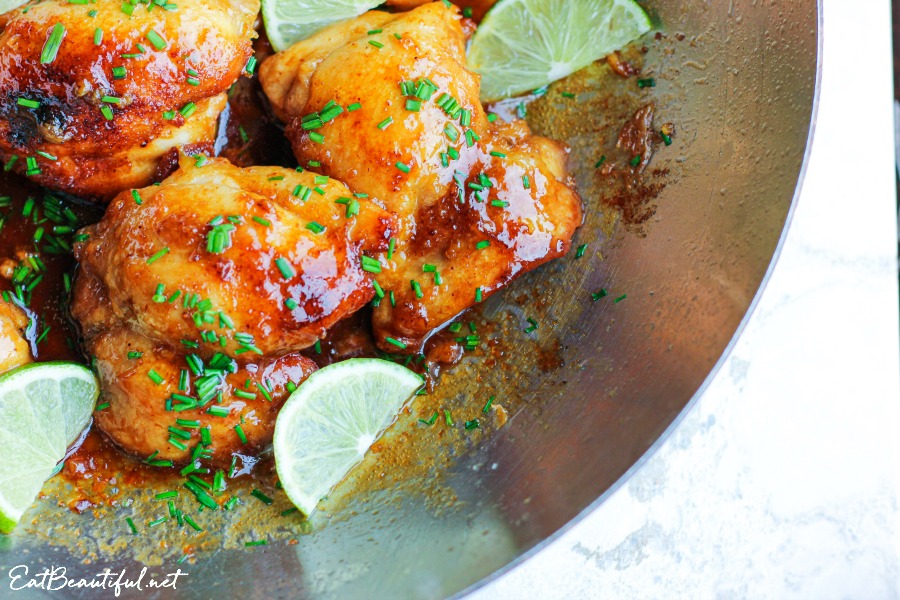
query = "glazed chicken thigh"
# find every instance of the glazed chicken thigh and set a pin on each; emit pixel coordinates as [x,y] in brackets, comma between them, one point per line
[219,276]
[94,95]
[477,202]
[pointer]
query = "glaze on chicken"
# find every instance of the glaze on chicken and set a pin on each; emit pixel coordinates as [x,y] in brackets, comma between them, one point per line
[478,202]
[237,268]
[96,113]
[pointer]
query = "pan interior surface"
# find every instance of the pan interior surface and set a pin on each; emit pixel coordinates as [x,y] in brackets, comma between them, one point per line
[684,251]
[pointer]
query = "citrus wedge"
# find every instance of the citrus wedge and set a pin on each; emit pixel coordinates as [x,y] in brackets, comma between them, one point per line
[326,426]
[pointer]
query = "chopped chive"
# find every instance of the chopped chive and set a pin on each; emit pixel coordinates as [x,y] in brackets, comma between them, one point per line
[188,109]
[645,83]
[394,342]
[635,161]
[256,543]
[157,40]
[51,46]
[131,526]
[377,44]
[107,112]
[482,244]
[487,405]
[285,268]
[218,411]
[598,295]
[155,377]
[317,137]
[526,183]
[158,256]
[27,103]
[497,154]
[190,521]
[166,495]
[256,493]
[315,227]
[370,265]
[263,222]
[579,252]
[447,418]
[600,162]
[620,298]
[385,124]
[354,106]
[473,424]
[402,167]
[533,325]
[240,432]
[478,294]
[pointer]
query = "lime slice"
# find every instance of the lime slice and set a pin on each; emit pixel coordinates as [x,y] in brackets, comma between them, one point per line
[8,5]
[289,21]
[326,426]
[522,45]
[43,409]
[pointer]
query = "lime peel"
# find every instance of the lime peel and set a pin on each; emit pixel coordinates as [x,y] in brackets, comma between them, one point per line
[327,425]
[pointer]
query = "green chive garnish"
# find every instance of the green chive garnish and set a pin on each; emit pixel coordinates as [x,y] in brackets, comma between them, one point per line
[51,46]
[285,268]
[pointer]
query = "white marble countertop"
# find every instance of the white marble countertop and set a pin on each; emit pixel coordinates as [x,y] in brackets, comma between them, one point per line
[784,480]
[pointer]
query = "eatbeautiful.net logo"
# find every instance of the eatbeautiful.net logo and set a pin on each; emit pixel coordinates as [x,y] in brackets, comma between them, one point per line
[54,579]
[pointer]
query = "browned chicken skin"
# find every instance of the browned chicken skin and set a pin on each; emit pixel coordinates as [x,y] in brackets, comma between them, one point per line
[14,349]
[478,203]
[247,264]
[159,75]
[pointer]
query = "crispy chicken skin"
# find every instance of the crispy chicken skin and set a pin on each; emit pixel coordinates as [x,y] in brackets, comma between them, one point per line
[477,203]
[14,349]
[164,53]
[251,264]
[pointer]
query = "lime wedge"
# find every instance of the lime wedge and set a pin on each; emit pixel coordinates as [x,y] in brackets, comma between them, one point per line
[8,5]
[326,426]
[289,21]
[43,409]
[522,45]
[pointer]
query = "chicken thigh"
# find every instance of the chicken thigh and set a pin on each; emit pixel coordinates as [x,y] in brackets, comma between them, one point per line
[94,95]
[477,202]
[218,272]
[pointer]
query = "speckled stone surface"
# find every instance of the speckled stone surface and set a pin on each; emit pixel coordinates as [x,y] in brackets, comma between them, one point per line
[784,480]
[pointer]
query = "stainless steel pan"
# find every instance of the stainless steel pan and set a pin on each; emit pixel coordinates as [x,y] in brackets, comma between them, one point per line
[599,383]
